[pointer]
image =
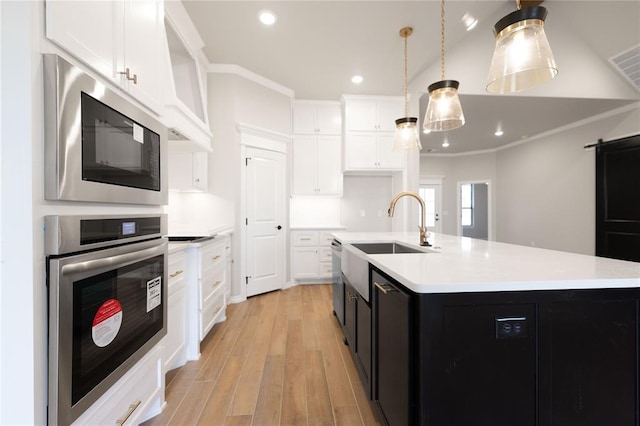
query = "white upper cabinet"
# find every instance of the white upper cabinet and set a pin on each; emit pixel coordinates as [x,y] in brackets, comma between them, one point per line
[317,117]
[184,95]
[119,39]
[372,113]
[317,165]
[188,171]
[317,148]
[369,131]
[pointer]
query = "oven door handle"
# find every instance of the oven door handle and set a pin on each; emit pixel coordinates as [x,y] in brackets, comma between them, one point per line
[117,260]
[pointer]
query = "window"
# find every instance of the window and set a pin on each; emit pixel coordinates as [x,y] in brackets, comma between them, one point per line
[466,204]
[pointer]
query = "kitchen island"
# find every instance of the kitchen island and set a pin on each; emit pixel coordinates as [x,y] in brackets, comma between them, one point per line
[473,332]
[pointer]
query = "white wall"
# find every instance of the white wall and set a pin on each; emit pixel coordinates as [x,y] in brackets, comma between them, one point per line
[544,188]
[22,384]
[459,168]
[547,187]
[234,99]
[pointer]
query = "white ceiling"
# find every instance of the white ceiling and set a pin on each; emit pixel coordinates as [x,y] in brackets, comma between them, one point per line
[316,46]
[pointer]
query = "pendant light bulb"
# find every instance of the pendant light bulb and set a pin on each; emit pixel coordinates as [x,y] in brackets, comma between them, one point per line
[406,137]
[522,58]
[444,110]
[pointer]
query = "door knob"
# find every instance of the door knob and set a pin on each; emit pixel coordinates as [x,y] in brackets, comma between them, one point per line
[278,227]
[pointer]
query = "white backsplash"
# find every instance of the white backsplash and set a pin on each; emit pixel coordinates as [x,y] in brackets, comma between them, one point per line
[194,213]
[314,212]
[365,203]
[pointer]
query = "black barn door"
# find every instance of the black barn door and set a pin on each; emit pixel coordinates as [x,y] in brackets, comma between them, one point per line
[618,199]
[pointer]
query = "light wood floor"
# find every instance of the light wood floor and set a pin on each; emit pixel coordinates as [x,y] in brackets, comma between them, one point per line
[278,359]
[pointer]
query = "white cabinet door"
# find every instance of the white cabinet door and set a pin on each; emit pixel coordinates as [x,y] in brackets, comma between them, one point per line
[329,119]
[361,151]
[87,30]
[188,171]
[388,112]
[304,165]
[200,163]
[304,119]
[320,117]
[329,165]
[111,37]
[142,29]
[176,339]
[305,262]
[361,115]
[387,158]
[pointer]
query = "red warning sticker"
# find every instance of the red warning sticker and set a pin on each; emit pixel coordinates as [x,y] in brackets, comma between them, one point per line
[106,323]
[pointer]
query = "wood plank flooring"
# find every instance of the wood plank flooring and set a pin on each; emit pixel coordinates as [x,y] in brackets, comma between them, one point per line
[278,359]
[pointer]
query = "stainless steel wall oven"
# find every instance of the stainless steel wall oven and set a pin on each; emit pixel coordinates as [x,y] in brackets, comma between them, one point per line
[107,279]
[98,146]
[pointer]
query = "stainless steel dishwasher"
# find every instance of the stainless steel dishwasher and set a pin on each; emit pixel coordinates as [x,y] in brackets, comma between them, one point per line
[336,279]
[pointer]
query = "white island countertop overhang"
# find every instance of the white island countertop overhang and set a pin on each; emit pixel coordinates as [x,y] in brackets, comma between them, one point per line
[459,264]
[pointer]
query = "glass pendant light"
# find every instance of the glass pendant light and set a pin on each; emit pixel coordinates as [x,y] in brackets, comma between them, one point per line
[444,111]
[522,58]
[406,136]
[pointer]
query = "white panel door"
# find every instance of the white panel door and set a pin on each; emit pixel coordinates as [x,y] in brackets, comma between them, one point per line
[265,218]
[431,194]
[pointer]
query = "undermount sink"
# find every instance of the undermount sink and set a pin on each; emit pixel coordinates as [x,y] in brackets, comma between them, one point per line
[385,248]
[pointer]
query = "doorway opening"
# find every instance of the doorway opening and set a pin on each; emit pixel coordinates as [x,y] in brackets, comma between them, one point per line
[474,209]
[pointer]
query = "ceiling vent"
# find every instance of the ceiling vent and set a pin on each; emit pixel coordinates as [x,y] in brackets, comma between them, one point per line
[628,64]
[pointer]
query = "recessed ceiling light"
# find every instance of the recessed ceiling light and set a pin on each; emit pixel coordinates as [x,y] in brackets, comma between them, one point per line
[267,17]
[445,144]
[357,79]
[499,133]
[469,21]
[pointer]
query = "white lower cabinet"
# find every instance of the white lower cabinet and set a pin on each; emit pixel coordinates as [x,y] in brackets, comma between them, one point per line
[311,255]
[136,397]
[175,342]
[208,290]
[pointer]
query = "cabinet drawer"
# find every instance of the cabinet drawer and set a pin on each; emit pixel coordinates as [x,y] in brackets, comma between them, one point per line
[132,394]
[211,313]
[176,268]
[211,255]
[325,238]
[211,283]
[325,270]
[300,238]
[324,254]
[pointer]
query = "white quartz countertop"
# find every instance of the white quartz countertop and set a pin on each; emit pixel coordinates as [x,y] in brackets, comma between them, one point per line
[460,264]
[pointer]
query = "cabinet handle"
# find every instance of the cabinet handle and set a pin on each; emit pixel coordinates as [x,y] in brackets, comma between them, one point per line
[127,74]
[176,274]
[305,239]
[385,288]
[216,283]
[132,408]
[216,257]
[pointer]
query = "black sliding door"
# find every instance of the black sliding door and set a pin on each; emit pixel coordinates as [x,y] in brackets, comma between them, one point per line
[618,199]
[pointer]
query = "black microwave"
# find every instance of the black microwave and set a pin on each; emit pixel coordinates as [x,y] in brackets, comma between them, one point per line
[99,147]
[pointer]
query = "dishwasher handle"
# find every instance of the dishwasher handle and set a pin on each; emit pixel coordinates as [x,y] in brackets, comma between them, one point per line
[384,287]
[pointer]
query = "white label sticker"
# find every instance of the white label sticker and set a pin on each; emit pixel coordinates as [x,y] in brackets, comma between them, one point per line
[106,323]
[138,133]
[154,293]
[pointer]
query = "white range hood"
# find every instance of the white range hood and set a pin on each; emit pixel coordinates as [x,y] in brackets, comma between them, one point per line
[185,109]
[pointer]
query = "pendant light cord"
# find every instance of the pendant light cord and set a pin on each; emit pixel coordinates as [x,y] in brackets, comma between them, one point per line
[442,38]
[406,62]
